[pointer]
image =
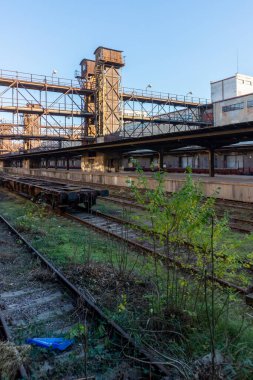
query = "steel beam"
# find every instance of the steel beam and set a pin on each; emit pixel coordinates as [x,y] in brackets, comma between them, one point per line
[47,111]
[211,162]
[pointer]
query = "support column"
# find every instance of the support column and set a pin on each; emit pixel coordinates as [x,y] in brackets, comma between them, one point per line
[108,96]
[26,163]
[211,162]
[67,163]
[32,124]
[83,163]
[161,154]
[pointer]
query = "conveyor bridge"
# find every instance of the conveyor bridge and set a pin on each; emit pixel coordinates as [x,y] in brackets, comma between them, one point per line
[93,105]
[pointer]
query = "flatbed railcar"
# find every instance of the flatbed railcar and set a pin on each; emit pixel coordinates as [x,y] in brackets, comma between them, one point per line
[56,194]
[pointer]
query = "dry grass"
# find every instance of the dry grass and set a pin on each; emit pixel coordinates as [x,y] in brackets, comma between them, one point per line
[11,358]
[6,256]
[42,274]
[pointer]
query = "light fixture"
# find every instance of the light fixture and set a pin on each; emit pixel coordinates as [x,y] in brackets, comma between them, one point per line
[148,86]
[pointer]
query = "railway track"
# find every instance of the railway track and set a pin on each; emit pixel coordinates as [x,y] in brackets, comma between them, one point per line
[38,300]
[137,239]
[123,201]
[120,195]
[128,233]
[236,223]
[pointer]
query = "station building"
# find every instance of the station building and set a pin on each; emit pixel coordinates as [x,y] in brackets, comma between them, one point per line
[232,103]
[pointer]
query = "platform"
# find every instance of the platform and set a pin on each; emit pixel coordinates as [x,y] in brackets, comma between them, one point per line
[231,187]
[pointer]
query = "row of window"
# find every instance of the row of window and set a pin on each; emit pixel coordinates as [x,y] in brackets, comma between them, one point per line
[233,107]
[237,106]
[61,163]
[230,162]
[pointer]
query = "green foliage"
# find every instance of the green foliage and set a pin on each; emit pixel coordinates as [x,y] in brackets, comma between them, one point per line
[122,305]
[188,219]
[28,221]
[78,331]
[173,302]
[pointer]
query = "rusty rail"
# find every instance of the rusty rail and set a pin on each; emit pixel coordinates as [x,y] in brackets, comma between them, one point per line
[190,270]
[93,308]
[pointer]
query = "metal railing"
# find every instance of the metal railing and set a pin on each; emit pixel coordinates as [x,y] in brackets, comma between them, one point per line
[36,78]
[163,96]
[53,80]
[144,116]
[20,103]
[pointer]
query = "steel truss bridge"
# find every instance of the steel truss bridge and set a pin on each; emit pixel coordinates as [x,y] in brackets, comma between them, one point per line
[37,111]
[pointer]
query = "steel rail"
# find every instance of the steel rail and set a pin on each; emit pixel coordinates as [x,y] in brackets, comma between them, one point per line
[93,308]
[132,204]
[124,201]
[150,233]
[139,247]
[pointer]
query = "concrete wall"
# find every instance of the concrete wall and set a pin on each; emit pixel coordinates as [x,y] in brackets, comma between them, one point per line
[232,117]
[237,189]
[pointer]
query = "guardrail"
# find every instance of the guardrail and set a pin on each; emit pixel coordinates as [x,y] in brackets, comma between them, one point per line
[18,103]
[53,80]
[45,79]
[165,117]
[38,78]
[164,95]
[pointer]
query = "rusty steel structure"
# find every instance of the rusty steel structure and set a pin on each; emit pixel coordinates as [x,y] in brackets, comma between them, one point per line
[39,112]
[55,194]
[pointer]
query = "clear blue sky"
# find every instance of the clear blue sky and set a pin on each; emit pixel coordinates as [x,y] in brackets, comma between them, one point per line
[176,46]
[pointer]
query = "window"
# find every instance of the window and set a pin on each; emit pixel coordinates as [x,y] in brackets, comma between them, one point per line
[233,107]
[234,162]
[185,161]
[250,103]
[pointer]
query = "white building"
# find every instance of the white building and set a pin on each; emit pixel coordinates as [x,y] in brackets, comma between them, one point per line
[231,87]
[232,100]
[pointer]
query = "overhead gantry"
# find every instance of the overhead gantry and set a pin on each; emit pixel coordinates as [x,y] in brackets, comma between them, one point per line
[36,108]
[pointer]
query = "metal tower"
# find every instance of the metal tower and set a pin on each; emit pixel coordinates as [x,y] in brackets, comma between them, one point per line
[108,85]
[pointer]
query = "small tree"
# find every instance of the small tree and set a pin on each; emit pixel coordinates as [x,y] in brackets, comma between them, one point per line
[188,219]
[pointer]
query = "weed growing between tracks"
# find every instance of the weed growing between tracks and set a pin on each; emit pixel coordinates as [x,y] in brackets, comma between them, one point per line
[181,318]
[241,243]
[187,216]
[11,358]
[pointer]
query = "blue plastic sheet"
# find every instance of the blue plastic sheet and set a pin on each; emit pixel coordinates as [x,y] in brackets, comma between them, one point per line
[54,343]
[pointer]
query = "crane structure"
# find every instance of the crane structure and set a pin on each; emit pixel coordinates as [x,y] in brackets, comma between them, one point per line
[45,112]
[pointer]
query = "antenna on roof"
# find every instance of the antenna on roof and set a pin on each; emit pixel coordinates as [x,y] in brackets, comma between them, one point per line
[237,61]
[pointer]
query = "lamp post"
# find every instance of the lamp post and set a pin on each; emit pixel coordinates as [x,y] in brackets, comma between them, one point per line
[148,86]
[54,72]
